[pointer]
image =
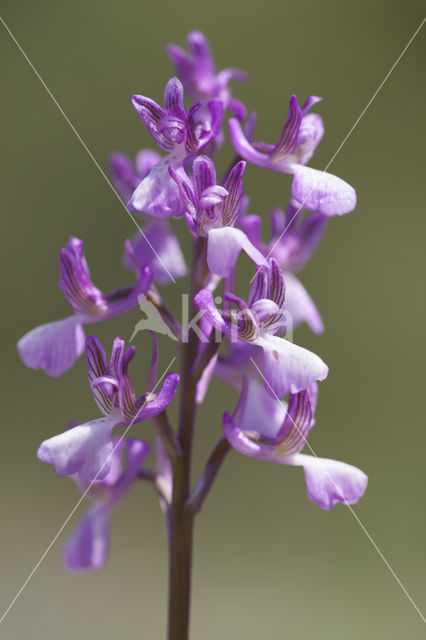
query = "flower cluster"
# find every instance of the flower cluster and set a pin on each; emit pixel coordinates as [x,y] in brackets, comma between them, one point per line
[246,342]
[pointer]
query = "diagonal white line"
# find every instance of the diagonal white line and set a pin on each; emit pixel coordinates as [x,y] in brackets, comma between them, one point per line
[346,137]
[84,145]
[64,524]
[345,502]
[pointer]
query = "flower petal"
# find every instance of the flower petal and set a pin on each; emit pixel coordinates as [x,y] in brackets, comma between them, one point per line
[87,547]
[289,135]
[244,148]
[123,175]
[145,161]
[224,246]
[215,108]
[174,99]
[234,185]
[158,194]
[151,113]
[98,369]
[204,301]
[85,449]
[159,247]
[152,404]
[53,347]
[251,225]
[321,191]
[76,283]
[137,450]
[261,413]
[331,481]
[164,471]
[310,134]
[299,305]
[288,367]
[204,175]
[205,379]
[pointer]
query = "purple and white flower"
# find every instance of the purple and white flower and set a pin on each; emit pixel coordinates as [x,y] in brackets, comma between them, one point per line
[294,237]
[267,429]
[286,366]
[212,211]
[181,134]
[302,132]
[54,347]
[86,449]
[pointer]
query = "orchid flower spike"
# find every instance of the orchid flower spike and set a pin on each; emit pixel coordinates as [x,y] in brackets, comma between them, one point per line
[265,428]
[87,448]
[302,132]
[286,366]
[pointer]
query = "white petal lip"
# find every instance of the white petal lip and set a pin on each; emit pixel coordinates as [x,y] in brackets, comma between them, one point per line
[224,247]
[288,367]
[321,191]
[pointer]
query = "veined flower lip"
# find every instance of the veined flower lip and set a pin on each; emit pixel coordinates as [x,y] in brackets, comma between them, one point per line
[327,481]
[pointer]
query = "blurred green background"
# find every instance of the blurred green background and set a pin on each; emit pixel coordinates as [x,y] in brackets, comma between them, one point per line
[268,562]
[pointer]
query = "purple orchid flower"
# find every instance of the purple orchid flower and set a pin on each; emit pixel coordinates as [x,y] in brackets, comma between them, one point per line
[212,210]
[181,135]
[87,547]
[197,71]
[156,244]
[302,132]
[264,428]
[87,448]
[294,238]
[286,366]
[54,347]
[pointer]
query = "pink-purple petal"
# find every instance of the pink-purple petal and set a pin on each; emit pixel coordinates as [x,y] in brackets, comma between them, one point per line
[174,99]
[87,547]
[204,301]
[53,347]
[158,194]
[155,403]
[299,305]
[151,113]
[244,148]
[159,247]
[331,481]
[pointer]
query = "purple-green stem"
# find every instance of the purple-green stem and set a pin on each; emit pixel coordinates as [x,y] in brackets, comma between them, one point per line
[184,506]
